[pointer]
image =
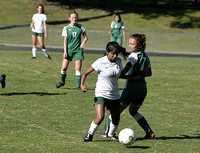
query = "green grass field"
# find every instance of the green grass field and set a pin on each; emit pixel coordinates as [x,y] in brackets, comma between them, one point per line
[37,117]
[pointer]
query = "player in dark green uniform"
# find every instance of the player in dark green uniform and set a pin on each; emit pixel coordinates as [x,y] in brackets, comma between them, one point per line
[73,47]
[134,93]
[117,29]
[3,80]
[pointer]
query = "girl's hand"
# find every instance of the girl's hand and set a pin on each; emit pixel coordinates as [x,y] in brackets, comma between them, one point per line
[82,46]
[65,55]
[83,88]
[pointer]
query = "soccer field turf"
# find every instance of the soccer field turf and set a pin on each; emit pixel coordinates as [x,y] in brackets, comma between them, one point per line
[37,117]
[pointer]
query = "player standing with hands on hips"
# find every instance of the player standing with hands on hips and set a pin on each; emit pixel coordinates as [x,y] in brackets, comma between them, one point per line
[73,47]
[135,91]
[39,30]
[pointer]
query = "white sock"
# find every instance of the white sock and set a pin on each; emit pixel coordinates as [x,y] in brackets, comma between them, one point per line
[34,51]
[78,73]
[45,52]
[93,128]
[112,129]
[138,116]
[1,78]
[63,72]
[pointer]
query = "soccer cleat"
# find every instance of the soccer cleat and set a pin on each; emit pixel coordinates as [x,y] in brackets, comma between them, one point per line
[3,83]
[114,137]
[149,136]
[103,135]
[60,84]
[78,88]
[88,138]
[49,57]
[33,58]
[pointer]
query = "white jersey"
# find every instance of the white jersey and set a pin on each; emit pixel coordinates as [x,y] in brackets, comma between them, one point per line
[39,20]
[108,74]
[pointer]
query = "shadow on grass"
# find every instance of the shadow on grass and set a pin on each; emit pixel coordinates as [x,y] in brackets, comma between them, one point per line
[181,137]
[31,93]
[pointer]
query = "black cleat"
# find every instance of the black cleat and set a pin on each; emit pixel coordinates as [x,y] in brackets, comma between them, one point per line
[49,57]
[88,138]
[3,83]
[33,58]
[114,137]
[60,84]
[78,88]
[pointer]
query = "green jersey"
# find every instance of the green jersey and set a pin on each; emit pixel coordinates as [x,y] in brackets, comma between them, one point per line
[117,27]
[73,35]
[140,63]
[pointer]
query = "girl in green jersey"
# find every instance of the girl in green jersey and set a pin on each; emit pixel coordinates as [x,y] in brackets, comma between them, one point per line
[117,29]
[73,47]
[135,91]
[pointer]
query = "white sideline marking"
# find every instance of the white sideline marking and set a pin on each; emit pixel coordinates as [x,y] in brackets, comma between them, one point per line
[33,125]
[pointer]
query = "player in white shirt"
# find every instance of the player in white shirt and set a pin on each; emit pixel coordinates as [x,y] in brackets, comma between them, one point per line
[39,30]
[106,93]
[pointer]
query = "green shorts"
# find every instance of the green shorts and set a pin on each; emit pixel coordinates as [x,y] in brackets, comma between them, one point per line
[134,96]
[38,34]
[117,38]
[77,55]
[108,103]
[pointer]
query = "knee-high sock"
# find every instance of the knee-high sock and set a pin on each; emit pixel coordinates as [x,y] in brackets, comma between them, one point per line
[63,75]
[142,122]
[34,52]
[78,79]
[93,128]
[45,52]
[112,129]
[106,126]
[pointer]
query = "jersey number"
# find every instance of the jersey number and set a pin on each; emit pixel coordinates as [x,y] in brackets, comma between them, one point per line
[142,67]
[114,73]
[74,34]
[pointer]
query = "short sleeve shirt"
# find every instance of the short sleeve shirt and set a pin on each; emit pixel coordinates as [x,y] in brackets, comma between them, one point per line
[117,27]
[108,74]
[39,20]
[73,35]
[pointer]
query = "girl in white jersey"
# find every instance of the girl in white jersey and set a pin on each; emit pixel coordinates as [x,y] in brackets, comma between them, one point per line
[106,93]
[39,30]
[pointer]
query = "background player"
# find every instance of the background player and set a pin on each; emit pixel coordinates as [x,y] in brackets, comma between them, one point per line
[3,80]
[134,93]
[117,29]
[73,48]
[39,30]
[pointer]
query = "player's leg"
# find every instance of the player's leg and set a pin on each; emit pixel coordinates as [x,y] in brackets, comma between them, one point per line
[3,80]
[78,65]
[63,73]
[104,132]
[119,40]
[100,111]
[133,110]
[41,42]
[78,57]
[34,49]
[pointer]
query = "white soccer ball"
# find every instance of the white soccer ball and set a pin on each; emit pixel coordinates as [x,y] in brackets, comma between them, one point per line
[127,137]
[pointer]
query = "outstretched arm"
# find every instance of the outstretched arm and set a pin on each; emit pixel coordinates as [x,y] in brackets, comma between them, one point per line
[83,77]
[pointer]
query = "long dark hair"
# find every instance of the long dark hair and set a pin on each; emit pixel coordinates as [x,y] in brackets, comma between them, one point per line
[42,8]
[113,44]
[141,41]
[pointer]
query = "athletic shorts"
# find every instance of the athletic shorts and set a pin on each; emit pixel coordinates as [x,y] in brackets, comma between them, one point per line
[134,96]
[38,34]
[77,55]
[117,38]
[108,103]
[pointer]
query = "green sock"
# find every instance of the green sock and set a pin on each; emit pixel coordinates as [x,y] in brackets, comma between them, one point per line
[106,126]
[78,81]
[63,77]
